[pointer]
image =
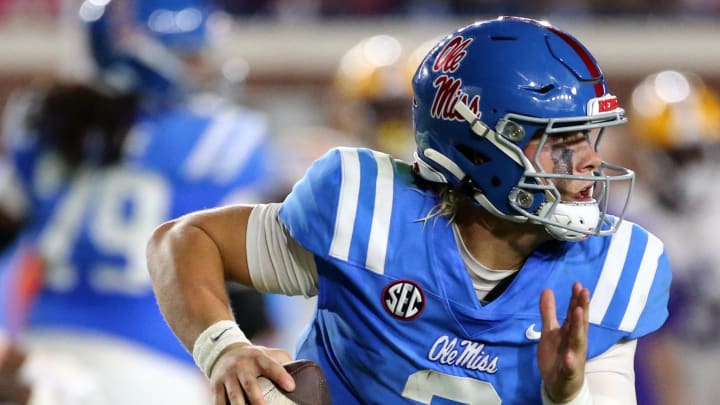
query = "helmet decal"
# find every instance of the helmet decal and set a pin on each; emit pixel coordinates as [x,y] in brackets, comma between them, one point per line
[608,103]
[447,95]
[448,87]
[449,58]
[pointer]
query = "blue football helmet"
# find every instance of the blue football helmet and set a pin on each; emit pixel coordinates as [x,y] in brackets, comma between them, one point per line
[138,45]
[485,91]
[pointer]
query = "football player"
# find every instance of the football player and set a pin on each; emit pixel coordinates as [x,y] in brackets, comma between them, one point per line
[97,166]
[487,271]
[675,123]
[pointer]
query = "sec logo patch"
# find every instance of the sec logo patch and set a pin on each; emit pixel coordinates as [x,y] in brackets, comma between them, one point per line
[403,299]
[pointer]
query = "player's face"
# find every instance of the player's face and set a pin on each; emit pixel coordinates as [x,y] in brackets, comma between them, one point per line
[570,153]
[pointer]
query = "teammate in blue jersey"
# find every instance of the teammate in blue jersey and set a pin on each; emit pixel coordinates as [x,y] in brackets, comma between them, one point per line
[96,167]
[487,271]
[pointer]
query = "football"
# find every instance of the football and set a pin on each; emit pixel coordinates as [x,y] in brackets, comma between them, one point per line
[310,386]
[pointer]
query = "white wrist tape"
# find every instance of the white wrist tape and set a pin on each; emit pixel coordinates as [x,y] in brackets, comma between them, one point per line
[583,397]
[213,340]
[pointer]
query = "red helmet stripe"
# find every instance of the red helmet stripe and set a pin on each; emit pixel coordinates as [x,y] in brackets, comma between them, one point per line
[585,56]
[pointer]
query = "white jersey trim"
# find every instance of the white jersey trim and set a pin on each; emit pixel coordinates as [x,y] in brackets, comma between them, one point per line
[276,262]
[611,272]
[643,283]
[382,212]
[347,205]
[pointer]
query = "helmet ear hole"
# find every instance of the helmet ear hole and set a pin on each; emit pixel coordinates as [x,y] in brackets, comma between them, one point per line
[474,156]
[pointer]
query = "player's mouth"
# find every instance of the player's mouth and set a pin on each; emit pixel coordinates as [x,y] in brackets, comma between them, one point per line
[586,194]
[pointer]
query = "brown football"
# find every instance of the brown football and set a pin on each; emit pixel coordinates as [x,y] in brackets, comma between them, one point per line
[310,386]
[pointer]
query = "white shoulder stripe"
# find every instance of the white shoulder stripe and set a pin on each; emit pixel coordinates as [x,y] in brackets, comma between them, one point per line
[643,283]
[611,271]
[347,206]
[382,211]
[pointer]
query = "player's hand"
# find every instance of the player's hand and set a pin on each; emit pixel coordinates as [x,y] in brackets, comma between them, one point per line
[234,375]
[562,350]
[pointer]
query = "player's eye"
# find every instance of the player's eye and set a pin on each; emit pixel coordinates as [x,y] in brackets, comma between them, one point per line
[571,138]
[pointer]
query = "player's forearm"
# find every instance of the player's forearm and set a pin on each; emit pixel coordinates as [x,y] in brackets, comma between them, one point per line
[187,272]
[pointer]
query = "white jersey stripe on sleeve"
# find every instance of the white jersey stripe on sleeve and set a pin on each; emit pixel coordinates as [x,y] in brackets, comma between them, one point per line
[204,155]
[347,206]
[643,283]
[380,226]
[247,134]
[611,271]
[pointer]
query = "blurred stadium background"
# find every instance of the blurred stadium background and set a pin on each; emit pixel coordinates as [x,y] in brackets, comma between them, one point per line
[286,51]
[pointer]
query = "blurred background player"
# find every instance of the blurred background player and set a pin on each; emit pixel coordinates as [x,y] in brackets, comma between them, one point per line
[89,170]
[370,95]
[368,104]
[675,123]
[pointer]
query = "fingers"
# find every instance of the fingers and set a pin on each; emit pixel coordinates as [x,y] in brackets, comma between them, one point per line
[219,397]
[580,298]
[576,289]
[276,372]
[547,311]
[577,327]
[235,374]
[268,366]
[586,307]
[280,356]
[230,393]
[579,305]
[252,390]
[578,318]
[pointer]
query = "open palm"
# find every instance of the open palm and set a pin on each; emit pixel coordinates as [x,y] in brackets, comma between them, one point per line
[562,349]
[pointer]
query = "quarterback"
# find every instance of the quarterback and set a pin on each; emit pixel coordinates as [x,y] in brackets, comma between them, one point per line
[486,271]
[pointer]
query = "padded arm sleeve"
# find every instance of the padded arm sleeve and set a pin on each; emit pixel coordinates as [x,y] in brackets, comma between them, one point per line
[277,263]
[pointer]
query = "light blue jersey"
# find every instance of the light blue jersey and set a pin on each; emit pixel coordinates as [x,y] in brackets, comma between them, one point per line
[91,232]
[398,320]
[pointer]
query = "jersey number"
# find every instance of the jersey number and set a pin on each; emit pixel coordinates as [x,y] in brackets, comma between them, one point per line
[423,385]
[119,209]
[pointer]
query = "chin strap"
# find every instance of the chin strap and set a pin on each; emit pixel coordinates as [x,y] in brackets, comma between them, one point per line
[583,215]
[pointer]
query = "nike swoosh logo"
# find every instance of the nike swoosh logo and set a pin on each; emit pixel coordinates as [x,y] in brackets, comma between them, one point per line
[219,335]
[531,333]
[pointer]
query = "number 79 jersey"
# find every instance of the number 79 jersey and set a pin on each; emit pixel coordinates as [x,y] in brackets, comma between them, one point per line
[398,320]
[91,227]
